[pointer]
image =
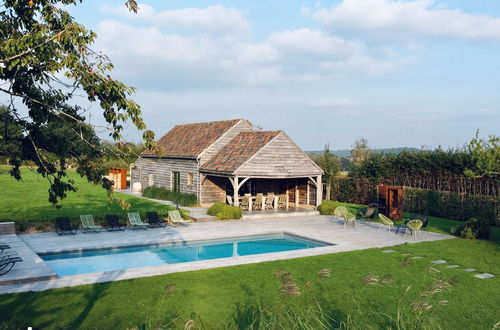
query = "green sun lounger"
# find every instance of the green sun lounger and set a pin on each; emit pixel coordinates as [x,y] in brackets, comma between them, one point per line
[135,221]
[88,223]
[176,218]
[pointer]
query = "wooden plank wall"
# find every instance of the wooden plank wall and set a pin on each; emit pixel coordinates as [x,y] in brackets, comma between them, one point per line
[162,169]
[278,158]
[213,189]
[223,140]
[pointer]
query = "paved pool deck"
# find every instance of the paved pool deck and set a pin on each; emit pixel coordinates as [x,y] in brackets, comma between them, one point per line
[322,228]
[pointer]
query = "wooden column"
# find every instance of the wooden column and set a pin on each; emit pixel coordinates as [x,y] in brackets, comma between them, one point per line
[234,182]
[296,193]
[319,190]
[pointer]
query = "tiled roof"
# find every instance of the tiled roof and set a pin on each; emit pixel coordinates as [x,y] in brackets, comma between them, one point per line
[190,140]
[238,151]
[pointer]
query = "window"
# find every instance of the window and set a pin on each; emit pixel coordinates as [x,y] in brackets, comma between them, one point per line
[190,179]
[176,181]
[151,180]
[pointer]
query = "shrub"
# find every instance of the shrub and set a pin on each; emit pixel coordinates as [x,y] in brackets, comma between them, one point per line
[327,207]
[473,229]
[165,194]
[229,212]
[223,211]
[215,208]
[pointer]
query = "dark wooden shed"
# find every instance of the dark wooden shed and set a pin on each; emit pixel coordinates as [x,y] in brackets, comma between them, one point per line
[390,199]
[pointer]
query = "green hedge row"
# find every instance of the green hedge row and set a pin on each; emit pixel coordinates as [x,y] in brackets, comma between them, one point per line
[451,205]
[164,194]
[224,211]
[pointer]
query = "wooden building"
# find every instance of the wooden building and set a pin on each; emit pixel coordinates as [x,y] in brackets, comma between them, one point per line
[216,159]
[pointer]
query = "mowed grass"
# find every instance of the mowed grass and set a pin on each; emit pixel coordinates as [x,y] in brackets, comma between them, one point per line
[231,297]
[26,201]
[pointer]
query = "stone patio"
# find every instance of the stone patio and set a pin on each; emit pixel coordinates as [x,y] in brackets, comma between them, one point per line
[321,228]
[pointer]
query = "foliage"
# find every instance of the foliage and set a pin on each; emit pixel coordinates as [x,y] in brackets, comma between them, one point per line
[165,194]
[360,151]
[120,154]
[327,207]
[24,202]
[215,208]
[329,163]
[473,229]
[485,155]
[224,211]
[45,61]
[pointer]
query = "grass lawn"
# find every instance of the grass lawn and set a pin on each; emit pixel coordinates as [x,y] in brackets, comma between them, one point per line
[26,202]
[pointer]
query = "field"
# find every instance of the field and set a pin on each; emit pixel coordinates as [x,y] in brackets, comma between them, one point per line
[26,202]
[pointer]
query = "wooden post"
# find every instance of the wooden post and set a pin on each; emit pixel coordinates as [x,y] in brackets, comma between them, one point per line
[319,190]
[328,191]
[307,193]
[296,193]
[234,182]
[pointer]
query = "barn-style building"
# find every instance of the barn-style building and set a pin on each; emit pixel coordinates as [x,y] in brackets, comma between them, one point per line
[229,158]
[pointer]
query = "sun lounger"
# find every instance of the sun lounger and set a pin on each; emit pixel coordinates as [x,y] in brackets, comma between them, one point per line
[135,221]
[113,222]
[154,220]
[176,218]
[4,246]
[63,224]
[88,223]
[6,264]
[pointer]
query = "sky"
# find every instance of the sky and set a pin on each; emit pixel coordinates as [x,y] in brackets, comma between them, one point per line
[416,73]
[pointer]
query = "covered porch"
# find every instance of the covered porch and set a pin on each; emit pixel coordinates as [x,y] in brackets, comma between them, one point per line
[289,194]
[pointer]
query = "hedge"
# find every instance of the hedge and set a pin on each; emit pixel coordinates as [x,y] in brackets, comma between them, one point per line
[164,194]
[224,211]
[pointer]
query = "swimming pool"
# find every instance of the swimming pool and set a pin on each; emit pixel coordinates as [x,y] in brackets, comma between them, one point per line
[65,264]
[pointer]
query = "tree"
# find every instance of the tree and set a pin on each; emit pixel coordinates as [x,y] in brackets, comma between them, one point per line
[485,156]
[329,163]
[360,151]
[45,59]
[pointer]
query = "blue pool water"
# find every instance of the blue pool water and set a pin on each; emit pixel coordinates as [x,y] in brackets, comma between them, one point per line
[65,264]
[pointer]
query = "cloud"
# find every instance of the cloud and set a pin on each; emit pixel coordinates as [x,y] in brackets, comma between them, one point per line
[210,19]
[406,20]
[330,102]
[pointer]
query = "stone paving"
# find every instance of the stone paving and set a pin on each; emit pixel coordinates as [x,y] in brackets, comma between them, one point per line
[321,228]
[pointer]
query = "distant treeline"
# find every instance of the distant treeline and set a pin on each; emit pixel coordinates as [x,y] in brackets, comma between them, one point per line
[347,153]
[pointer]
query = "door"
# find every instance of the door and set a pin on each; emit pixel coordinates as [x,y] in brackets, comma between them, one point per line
[176,181]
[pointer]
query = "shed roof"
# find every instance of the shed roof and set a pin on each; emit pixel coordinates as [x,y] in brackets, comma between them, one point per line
[190,140]
[238,151]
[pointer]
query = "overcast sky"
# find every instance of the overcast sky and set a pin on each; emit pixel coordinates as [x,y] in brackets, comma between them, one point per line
[400,73]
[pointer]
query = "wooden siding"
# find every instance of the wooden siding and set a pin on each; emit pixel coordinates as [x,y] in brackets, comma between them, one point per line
[162,168]
[279,158]
[213,189]
[223,140]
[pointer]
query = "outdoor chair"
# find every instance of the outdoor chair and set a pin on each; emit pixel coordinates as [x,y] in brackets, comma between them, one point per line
[414,227]
[270,201]
[258,202]
[176,218]
[135,221]
[282,201]
[425,222]
[63,224]
[229,200]
[88,223]
[245,203]
[340,211]
[7,263]
[4,246]
[154,220]
[368,213]
[385,221]
[113,222]
[349,217]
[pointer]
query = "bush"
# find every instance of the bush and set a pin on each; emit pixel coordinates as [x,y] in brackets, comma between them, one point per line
[473,229]
[167,195]
[223,211]
[216,208]
[327,207]
[229,212]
